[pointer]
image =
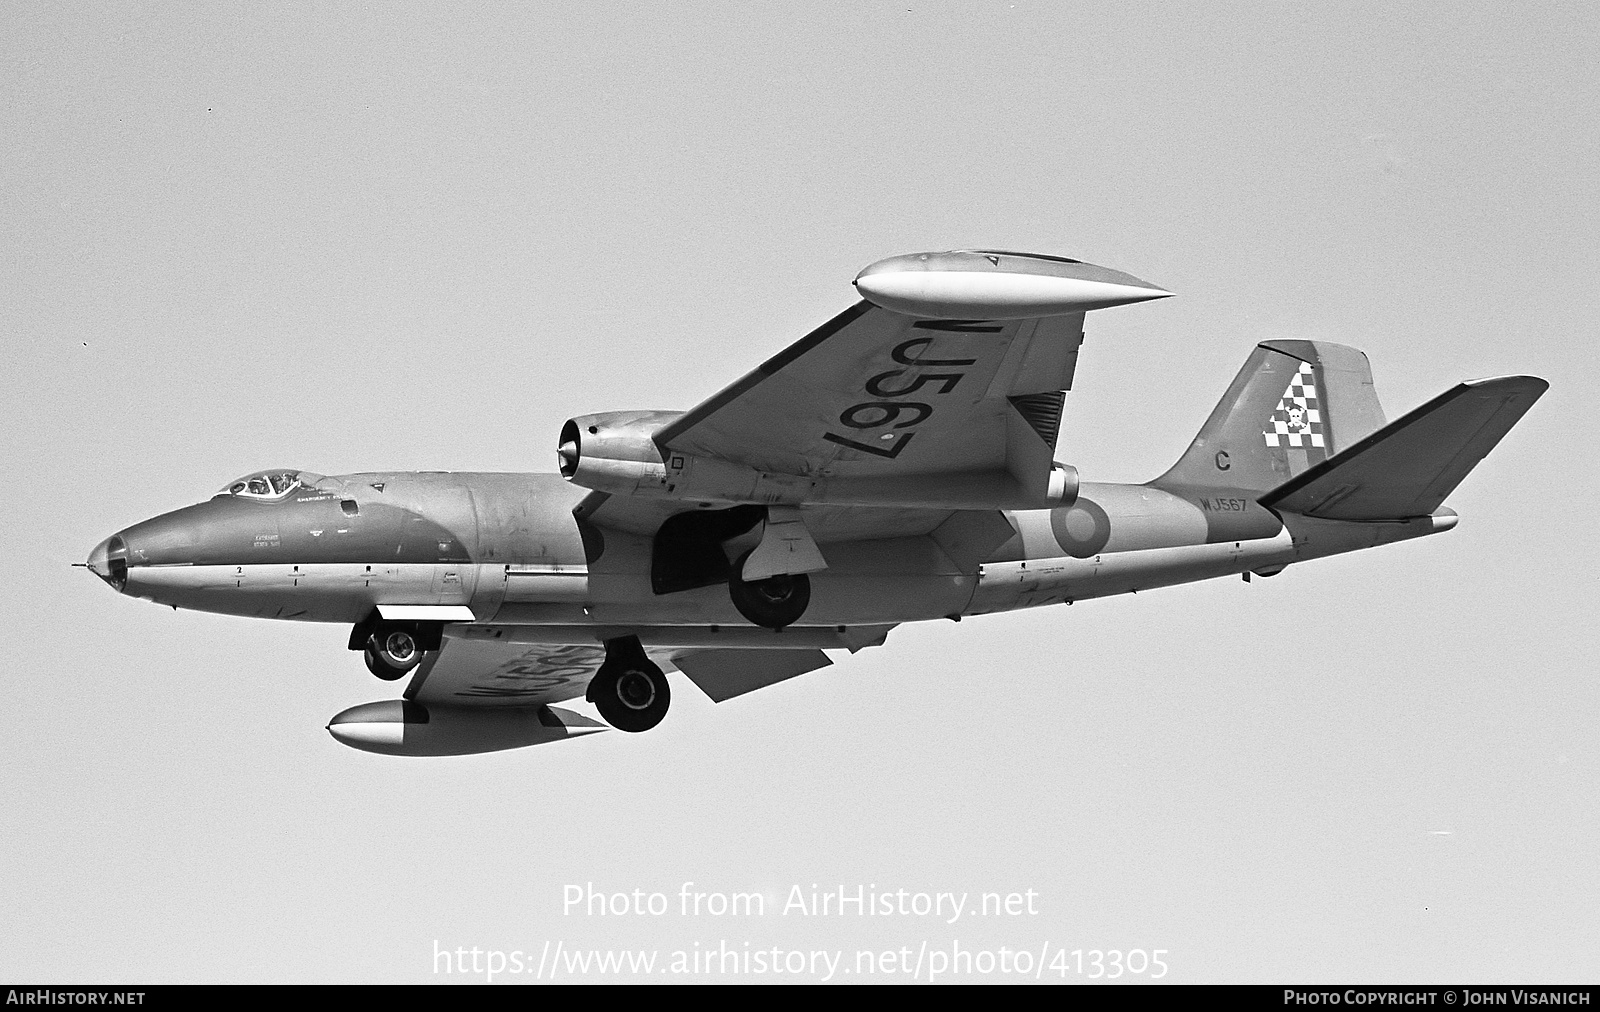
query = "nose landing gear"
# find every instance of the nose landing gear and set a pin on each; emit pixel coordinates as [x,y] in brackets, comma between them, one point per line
[390,654]
[393,649]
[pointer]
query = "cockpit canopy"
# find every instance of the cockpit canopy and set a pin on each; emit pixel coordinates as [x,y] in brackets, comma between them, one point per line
[274,483]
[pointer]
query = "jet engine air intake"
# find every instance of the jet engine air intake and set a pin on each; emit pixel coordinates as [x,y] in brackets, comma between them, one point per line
[613,451]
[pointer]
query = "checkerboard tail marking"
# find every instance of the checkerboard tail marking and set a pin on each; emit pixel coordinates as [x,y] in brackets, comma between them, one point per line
[1297,420]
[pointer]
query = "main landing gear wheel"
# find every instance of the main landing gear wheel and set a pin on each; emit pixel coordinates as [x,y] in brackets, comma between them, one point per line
[774,602]
[630,691]
[391,653]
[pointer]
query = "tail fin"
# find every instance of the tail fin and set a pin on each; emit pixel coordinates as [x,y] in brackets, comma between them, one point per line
[1406,469]
[1292,406]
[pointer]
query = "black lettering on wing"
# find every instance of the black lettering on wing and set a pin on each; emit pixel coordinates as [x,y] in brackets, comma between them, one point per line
[877,451]
[892,410]
[876,388]
[902,354]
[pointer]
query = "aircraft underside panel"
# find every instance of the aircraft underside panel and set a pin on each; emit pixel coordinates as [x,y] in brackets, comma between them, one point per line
[310,592]
[867,583]
[1006,586]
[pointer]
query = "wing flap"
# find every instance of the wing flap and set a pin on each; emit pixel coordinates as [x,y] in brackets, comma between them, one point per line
[1408,467]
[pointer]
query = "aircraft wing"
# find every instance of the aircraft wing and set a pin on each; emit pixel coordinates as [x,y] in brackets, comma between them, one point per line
[873,393]
[489,666]
[938,395]
[484,671]
[954,363]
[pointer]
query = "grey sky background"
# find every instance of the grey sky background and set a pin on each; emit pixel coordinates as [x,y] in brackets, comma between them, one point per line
[422,237]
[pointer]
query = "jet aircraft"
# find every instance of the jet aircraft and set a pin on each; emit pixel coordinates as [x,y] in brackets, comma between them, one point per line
[895,465]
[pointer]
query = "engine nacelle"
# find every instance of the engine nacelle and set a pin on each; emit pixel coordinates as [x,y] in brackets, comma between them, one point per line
[614,451]
[401,727]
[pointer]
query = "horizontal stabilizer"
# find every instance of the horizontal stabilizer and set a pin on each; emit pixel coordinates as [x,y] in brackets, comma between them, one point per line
[723,674]
[1408,467]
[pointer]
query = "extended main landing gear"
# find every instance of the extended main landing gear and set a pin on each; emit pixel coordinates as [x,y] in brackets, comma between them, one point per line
[629,690]
[393,649]
[775,602]
[688,552]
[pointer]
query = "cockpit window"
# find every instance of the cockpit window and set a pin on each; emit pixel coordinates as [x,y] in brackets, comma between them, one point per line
[273,484]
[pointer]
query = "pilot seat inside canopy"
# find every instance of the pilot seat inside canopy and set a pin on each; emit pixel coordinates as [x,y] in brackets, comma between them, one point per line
[274,483]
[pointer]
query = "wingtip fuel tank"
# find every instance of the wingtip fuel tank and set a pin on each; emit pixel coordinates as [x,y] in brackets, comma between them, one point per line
[996,285]
[402,727]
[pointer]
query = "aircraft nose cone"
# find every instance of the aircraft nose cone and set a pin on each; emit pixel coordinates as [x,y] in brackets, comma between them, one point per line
[109,561]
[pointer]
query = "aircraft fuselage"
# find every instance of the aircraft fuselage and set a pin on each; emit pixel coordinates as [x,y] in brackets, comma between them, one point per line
[509,548]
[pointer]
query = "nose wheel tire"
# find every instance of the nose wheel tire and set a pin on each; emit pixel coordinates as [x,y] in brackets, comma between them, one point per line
[774,602]
[631,695]
[391,653]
